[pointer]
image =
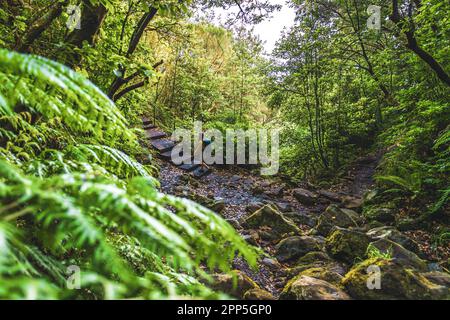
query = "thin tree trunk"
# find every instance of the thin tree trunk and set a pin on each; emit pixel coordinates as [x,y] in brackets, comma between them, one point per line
[413,45]
[40,25]
[92,18]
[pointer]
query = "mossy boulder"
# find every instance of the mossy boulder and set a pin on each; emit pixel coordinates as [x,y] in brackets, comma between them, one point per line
[347,245]
[316,260]
[353,203]
[309,288]
[304,196]
[438,277]
[396,282]
[296,246]
[335,216]
[380,214]
[301,218]
[391,233]
[234,283]
[403,256]
[216,205]
[270,216]
[258,294]
[254,206]
[313,257]
[323,273]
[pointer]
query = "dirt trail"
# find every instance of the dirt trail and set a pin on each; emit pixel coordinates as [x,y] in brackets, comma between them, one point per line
[238,189]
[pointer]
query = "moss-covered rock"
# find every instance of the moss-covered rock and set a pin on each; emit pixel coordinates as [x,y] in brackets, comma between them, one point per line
[314,260]
[347,245]
[235,283]
[309,288]
[323,273]
[399,253]
[353,203]
[380,214]
[216,205]
[270,216]
[390,233]
[396,282]
[305,196]
[258,294]
[313,257]
[335,216]
[301,218]
[296,246]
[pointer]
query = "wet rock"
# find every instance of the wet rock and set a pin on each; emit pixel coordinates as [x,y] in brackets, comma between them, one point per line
[284,206]
[276,191]
[309,288]
[350,202]
[234,179]
[386,215]
[235,283]
[271,263]
[260,187]
[399,253]
[258,294]
[235,223]
[332,196]
[214,204]
[393,234]
[301,218]
[314,257]
[267,235]
[269,216]
[314,260]
[335,216]
[304,196]
[251,239]
[396,282]
[181,191]
[297,246]
[438,277]
[323,273]
[253,206]
[347,245]
[406,224]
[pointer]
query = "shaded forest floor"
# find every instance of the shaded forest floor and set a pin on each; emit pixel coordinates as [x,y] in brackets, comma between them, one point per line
[236,193]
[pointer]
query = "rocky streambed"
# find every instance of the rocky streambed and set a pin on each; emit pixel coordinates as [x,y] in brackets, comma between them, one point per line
[319,244]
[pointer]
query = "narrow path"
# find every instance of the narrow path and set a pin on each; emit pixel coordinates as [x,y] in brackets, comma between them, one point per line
[237,193]
[241,192]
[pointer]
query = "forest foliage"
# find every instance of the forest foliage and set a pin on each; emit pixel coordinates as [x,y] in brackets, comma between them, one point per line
[78,188]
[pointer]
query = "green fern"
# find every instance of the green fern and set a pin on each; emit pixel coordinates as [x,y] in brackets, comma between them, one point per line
[71,195]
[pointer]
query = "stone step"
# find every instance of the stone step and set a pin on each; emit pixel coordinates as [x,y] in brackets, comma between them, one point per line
[146,121]
[201,171]
[155,134]
[149,126]
[189,167]
[168,156]
[162,145]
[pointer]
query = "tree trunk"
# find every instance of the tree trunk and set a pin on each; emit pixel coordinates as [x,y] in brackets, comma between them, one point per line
[42,24]
[92,18]
[412,43]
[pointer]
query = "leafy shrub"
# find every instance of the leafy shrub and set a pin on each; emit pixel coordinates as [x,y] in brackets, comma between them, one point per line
[71,195]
